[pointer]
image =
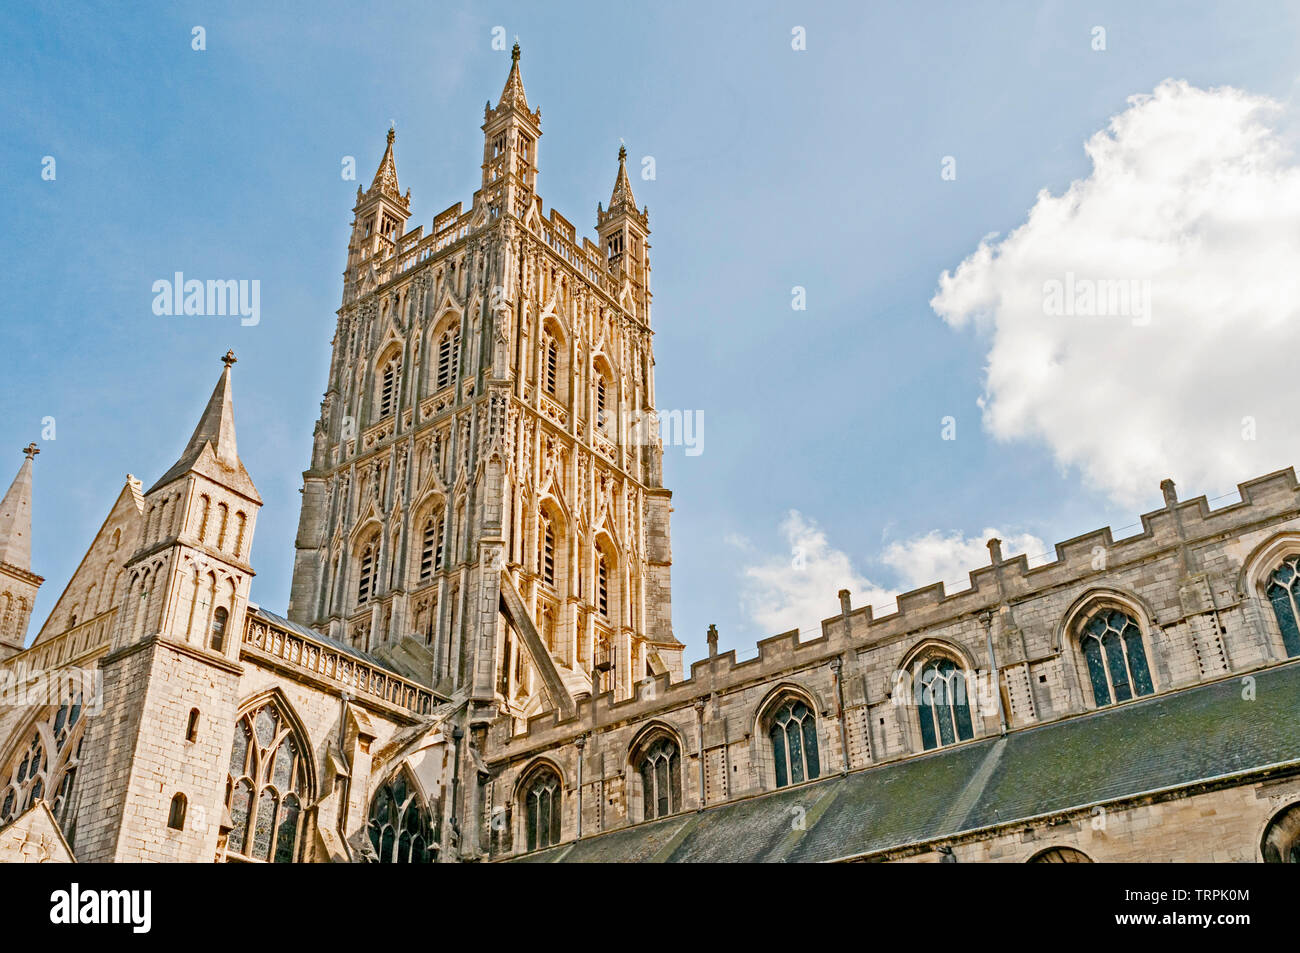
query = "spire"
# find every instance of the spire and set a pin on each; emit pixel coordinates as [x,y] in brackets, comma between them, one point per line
[16,517]
[385,182]
[513,93]
[211,450]
[622,187]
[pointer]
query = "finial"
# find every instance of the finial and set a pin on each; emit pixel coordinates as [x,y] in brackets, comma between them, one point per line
[392,132]
[995,550]
[514,54]
[229,358]
[712,638]
[31,450]
[622,153]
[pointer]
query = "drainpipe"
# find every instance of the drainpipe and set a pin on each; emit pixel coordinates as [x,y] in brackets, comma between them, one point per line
[1185,554]
[582,744]
[346,786]
[986,618]
[457,735]
[837,667]
[699,727]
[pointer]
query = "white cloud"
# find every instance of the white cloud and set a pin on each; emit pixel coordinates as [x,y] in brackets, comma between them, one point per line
[1194,191]
[799,588]
[949,559]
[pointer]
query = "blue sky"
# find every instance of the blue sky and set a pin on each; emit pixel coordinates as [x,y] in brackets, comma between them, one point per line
[775,168]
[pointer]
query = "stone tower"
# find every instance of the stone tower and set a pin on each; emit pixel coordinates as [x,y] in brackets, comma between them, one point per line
[18,584]
[158,753]
[484,503]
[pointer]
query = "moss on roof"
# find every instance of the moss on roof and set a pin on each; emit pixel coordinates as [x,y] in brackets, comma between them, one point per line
[1176,740]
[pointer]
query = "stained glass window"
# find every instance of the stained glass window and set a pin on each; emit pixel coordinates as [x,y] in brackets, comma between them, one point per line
[792,729]
[1115,657]
[46,761]
[542,801]
[400,828]
[943,706]
[266,788]
[661,779]
[1284,593]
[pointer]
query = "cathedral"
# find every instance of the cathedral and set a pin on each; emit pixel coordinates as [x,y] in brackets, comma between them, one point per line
[477,660]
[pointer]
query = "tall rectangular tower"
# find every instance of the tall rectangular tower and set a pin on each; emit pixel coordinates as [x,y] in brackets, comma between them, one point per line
[485,493]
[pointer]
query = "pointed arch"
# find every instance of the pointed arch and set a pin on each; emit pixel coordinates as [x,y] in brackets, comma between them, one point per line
[444,351]
[787,729]
[539,794]
[44,760]
[1107,633]
[655,762]
[388,380]
[1270,578]
[400,825]
[271,781]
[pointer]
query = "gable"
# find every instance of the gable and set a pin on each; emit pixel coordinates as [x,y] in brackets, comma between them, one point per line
[94,587]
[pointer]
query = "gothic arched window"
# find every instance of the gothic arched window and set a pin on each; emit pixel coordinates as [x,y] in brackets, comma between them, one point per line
[45,765]
[551,370]
[431,546]
[366,575]
[548,551]
[447,346]
[602,585]
[943,707]
[1117,661]
[661,778]
[541,803]
[388,387]
[1284,593]
[1060,855]
[219,618]
[399,826]
[792,729]
[1281,844]
[600,400]
[267,788]
[176,816]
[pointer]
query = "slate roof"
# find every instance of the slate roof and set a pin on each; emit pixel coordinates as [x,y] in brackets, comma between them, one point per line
[1197,735]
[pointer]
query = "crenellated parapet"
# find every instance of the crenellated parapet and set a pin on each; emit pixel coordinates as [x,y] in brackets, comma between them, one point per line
[1191,584]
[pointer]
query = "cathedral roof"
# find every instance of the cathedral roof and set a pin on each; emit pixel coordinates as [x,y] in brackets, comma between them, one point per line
[1201,735]
[211,450]
[16,517]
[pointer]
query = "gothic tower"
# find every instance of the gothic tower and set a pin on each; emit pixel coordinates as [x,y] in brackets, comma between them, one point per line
[156,758]
[18,584]
[484,503]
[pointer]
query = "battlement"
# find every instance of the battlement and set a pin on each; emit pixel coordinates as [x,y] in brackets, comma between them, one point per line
[1264,500]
